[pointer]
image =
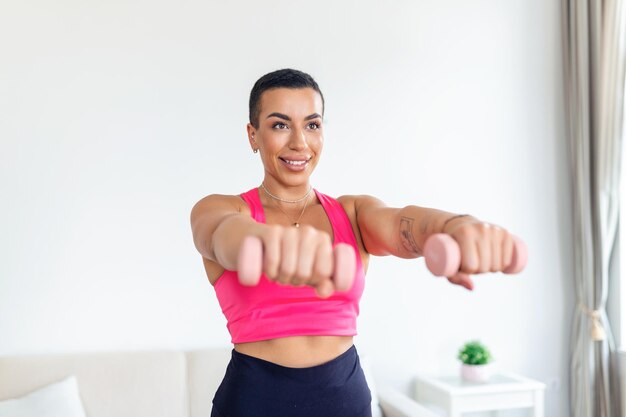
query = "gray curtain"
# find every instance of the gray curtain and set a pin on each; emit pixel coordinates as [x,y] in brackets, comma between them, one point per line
[594,59]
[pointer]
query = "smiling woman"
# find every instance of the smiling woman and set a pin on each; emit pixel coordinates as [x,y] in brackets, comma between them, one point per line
[293,330]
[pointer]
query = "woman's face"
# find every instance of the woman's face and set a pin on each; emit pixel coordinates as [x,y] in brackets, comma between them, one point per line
[289,136]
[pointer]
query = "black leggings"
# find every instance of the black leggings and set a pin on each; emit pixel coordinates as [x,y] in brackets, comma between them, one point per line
[254,387]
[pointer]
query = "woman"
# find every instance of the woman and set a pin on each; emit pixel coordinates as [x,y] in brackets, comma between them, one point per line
[293,333]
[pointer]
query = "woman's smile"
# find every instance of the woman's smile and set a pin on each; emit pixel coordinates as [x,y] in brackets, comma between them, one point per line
[295,163]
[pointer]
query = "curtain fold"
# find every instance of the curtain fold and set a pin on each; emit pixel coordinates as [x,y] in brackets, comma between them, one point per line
[594,39]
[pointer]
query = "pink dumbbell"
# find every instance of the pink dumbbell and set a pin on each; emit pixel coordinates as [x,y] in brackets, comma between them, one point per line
[250,263]
[443,255]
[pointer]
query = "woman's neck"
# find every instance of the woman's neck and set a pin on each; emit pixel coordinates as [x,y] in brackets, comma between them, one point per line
[286,193]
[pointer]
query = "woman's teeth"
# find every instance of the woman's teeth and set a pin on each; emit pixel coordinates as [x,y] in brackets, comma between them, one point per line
[295,162]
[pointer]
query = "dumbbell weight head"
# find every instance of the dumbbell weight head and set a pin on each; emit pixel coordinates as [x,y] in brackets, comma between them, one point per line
[250,261]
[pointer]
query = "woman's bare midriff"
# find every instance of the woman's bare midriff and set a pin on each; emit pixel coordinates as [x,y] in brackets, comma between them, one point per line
[297,351]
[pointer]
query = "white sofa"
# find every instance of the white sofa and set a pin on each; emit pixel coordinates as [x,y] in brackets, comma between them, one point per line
[150,383]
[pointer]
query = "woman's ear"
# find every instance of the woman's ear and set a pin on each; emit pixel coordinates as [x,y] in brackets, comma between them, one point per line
[251,134]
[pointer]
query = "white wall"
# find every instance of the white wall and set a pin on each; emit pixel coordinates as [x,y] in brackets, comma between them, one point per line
[116,117]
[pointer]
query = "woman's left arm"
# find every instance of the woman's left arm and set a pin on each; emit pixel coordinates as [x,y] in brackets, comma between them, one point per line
[402,232]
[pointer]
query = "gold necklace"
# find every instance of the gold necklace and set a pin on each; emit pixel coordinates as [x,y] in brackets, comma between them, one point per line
[297,222]
[275,197]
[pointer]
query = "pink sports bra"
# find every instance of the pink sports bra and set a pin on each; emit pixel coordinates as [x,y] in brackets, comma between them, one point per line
[269,310]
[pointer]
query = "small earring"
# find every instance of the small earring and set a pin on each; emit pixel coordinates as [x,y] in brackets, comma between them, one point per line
[255,150]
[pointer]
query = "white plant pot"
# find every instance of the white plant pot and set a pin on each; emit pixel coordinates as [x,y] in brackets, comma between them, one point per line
[476,373]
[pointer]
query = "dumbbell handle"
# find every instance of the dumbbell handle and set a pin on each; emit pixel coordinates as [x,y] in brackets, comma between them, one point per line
[250,263]
[443,255]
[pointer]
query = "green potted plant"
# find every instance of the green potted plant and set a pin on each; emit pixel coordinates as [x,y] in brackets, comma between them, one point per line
[476,362]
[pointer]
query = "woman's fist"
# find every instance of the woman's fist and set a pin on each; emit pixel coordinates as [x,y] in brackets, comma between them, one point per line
[297,256]
[482,247]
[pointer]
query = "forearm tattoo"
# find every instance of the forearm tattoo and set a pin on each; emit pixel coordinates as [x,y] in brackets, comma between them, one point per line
[406,234]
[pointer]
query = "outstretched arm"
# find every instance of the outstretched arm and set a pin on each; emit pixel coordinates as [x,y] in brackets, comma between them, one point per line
[402,232]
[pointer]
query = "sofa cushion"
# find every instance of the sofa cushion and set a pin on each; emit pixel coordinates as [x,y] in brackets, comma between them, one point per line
[111,384]
[60,399]
[205,370]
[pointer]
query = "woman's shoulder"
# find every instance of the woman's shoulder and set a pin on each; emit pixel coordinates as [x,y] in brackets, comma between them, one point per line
[221,202]
[355,201]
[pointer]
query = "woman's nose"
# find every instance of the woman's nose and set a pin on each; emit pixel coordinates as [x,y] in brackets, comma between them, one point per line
[297,140]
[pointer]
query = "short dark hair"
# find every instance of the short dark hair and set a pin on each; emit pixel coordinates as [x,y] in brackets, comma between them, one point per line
[282,78]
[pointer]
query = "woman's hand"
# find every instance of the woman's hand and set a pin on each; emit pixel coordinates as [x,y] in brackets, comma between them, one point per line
[484,248]
[304,256]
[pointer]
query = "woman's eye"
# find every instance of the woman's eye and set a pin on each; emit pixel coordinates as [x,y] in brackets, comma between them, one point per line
[314,126]
[279,125]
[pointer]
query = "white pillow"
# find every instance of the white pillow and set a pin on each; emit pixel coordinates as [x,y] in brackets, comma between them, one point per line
[60,399]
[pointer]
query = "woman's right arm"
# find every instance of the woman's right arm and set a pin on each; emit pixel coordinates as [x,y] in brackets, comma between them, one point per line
[297,256]
[219,226]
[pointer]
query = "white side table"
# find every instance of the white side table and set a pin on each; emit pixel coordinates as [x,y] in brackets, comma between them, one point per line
[504,391]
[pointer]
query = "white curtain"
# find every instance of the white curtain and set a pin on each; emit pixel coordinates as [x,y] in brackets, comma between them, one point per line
[594,60]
